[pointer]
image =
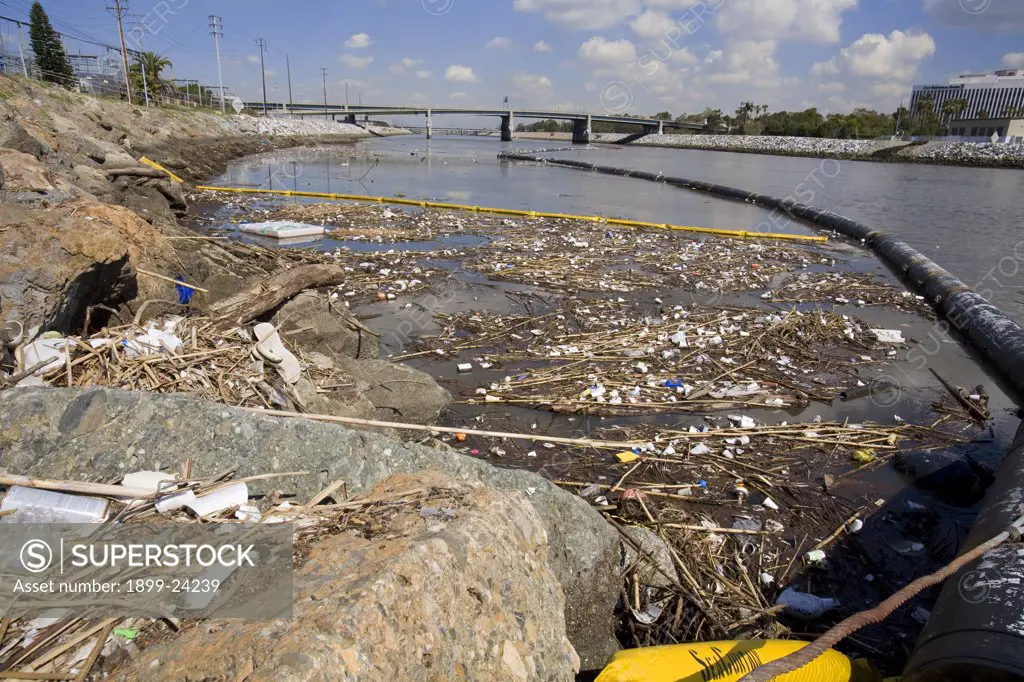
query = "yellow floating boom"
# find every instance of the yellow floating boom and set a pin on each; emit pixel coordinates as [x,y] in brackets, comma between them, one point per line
[737,234]
[153,164]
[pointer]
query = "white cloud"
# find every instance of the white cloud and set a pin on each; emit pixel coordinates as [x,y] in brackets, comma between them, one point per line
[893,57]
[424,74]
[531,82]
[461,74]
[1014,60]
[1002,16]
[354,62]
[541,46]
[358,42]
[404,65]
[831,88]
[588,15]
[826,68]
[615,53]
[457,95]
[682,56]
[749,62]
[713,56]
[252,59]
[815,21]
[652,24]
[499,43]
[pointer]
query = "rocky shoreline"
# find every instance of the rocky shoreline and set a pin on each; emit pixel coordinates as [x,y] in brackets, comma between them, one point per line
[971,154]
[90,246]
[514,574]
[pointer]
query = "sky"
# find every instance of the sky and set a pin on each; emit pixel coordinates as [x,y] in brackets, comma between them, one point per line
[616,56]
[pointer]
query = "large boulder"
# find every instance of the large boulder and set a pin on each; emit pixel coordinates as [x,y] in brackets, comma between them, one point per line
[24,173]
[312,321]
[99,434]
[398,392]
[55,263]
[13,136]
[468,594]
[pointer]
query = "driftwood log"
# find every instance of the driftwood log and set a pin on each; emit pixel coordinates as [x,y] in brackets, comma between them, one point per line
[250,303]
[137,172]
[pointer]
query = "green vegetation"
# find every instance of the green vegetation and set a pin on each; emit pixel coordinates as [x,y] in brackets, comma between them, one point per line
[152,64]
[753,119]
[50,58]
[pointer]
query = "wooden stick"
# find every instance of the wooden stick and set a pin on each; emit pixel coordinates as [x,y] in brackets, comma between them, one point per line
[15,378]
[626,475]
[81,637]
[82,487]
[325,493]
[95,653]
[737,531]
[172,281]
[17,675]
[622,445]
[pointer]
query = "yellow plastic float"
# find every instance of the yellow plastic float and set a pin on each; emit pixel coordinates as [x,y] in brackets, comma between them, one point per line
[727,662]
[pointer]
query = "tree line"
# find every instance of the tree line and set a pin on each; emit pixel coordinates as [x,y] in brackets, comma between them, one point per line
[754,119]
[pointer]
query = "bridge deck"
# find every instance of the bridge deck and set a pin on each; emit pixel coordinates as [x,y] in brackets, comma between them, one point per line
[367,110]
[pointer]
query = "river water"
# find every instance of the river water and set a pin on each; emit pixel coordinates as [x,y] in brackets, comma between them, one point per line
[968,220]
[965,219]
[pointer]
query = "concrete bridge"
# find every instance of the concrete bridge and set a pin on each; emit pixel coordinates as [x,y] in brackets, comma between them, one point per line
[478,132]
[581,123]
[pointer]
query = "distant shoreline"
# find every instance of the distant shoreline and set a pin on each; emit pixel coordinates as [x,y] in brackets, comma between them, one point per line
[963,154]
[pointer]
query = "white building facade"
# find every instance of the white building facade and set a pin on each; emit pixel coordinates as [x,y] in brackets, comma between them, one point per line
[999,94]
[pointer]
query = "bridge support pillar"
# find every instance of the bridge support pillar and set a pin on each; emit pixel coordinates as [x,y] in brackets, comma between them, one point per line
[350,118]
[430,125]
[581,130]
[661,127]
[508,124]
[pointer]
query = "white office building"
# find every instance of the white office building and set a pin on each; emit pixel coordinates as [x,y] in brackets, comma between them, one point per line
[998,94]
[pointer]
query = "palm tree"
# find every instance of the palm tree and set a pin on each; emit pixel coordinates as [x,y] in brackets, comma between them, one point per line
[744,111]
[951,108]
[925,105]
[153,65]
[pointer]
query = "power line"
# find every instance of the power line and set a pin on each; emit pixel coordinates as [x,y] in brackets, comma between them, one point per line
[119,13]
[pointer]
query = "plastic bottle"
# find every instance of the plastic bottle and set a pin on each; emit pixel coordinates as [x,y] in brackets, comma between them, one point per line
[804,605]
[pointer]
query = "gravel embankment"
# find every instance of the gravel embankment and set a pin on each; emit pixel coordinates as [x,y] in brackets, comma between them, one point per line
[952,153]
[804,146]
[252,125]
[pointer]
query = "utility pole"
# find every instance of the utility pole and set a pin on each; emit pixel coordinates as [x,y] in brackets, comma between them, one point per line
[323,72]
[346,93]
[288,62]
[119,9]
[217,31]
[262,44]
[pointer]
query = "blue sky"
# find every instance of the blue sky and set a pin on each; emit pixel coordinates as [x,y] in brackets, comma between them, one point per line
[637,55]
